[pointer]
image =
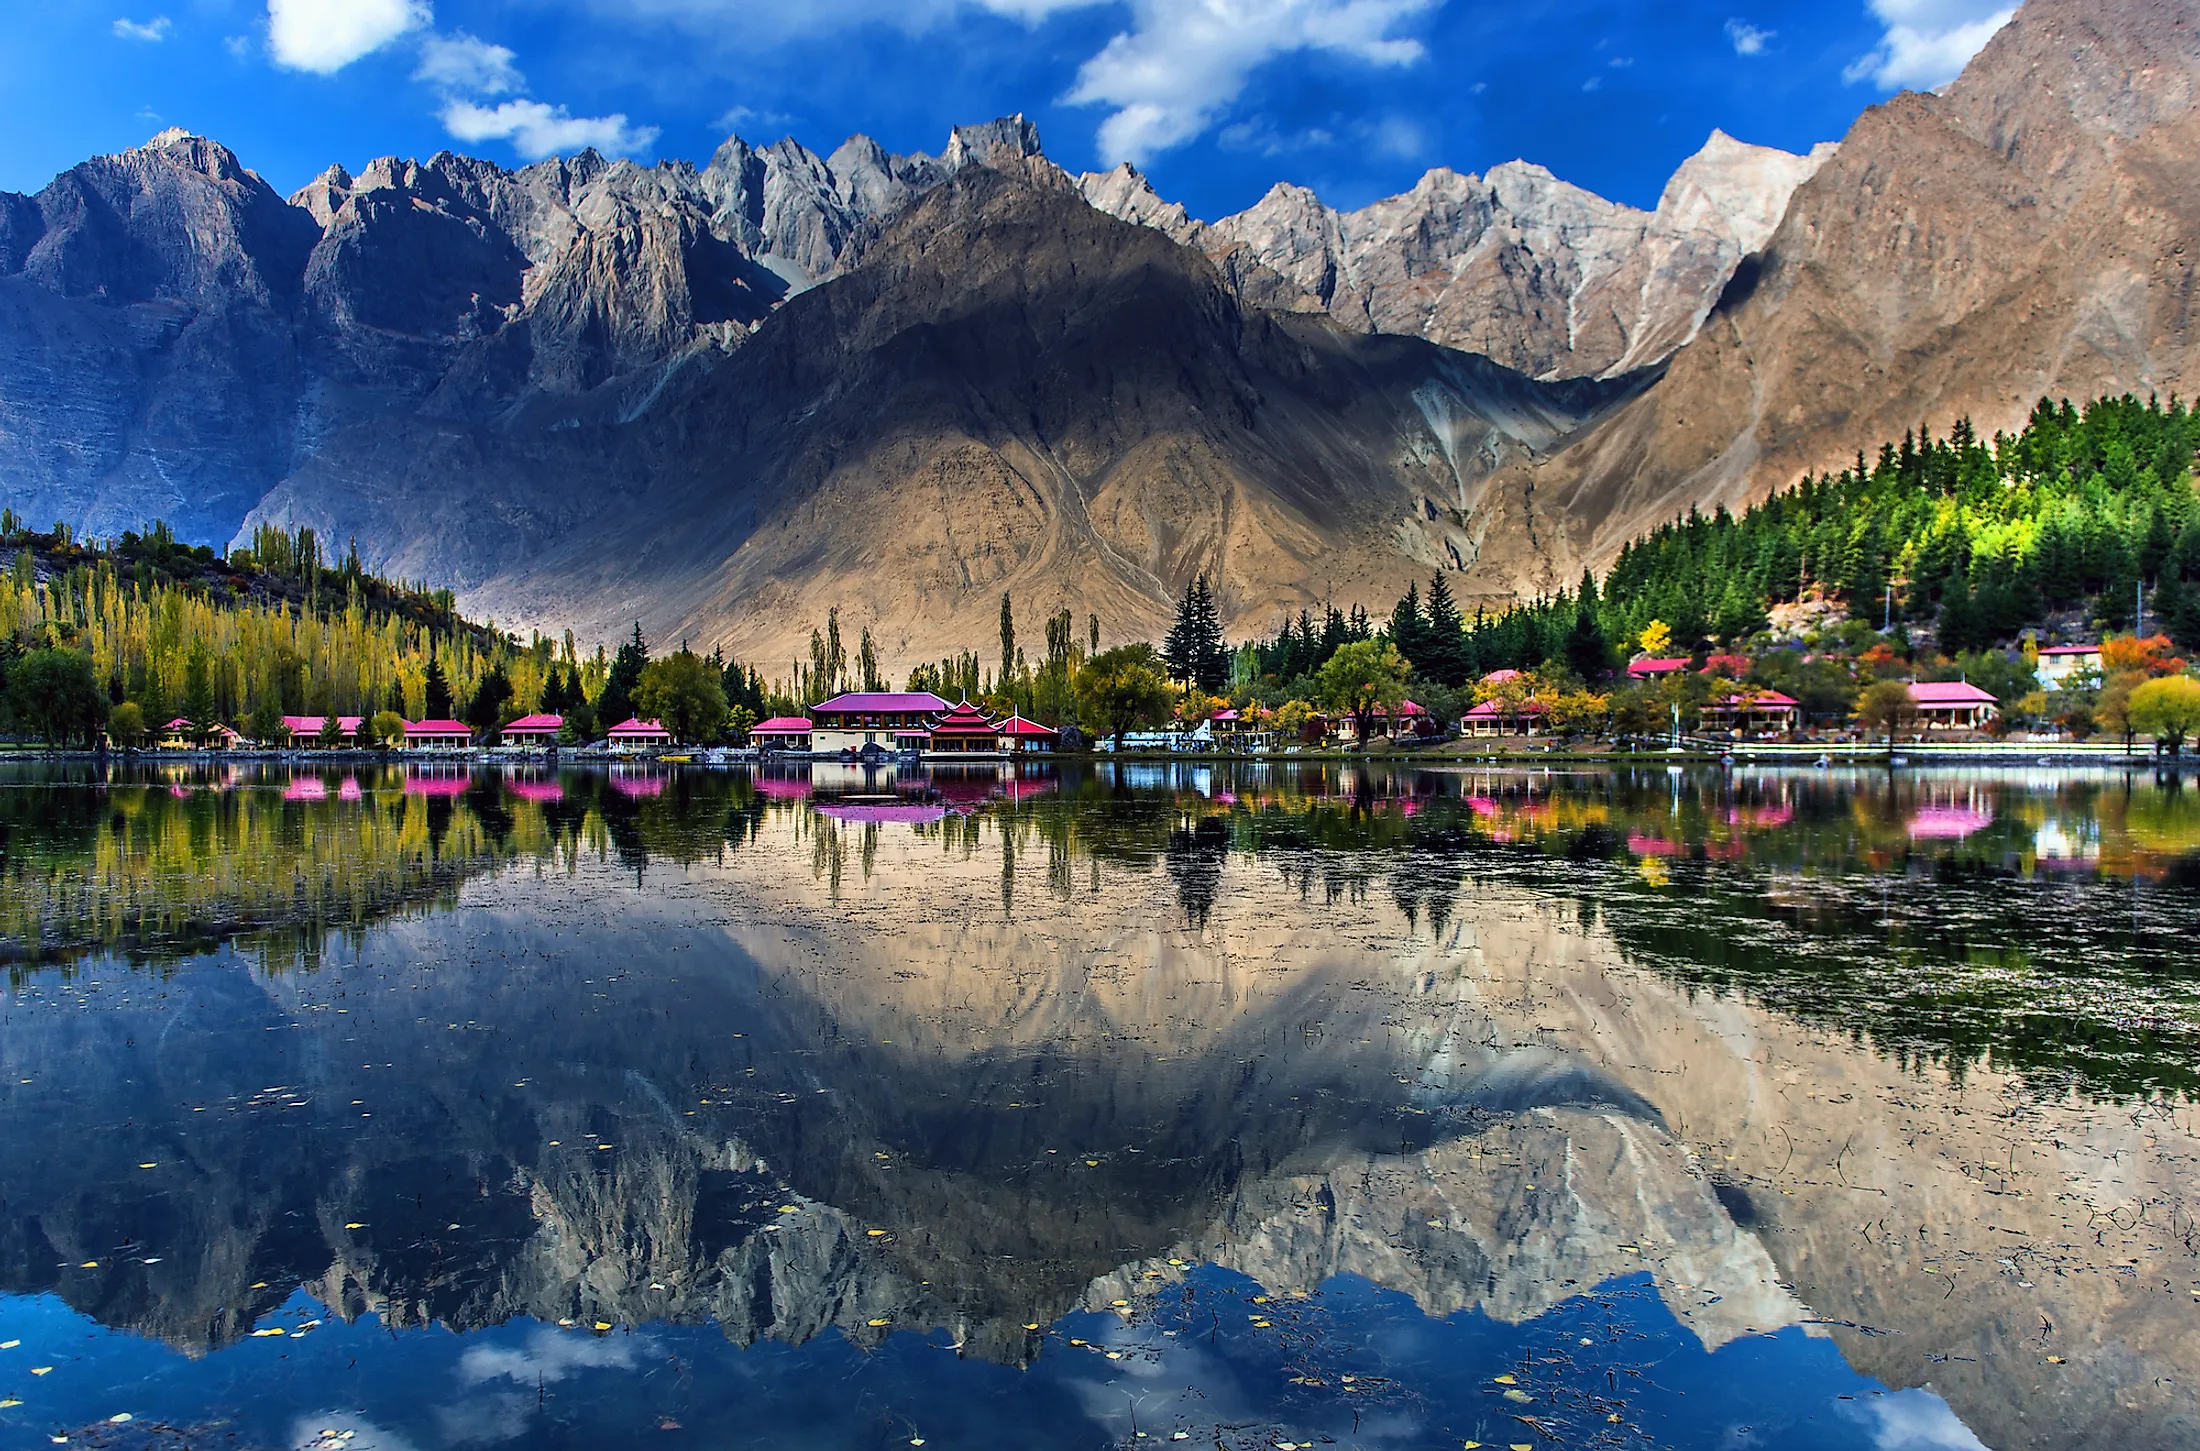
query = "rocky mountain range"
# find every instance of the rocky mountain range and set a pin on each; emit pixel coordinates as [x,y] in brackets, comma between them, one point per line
[723,399]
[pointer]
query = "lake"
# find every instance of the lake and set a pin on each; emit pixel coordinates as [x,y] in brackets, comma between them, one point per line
[1098,1105]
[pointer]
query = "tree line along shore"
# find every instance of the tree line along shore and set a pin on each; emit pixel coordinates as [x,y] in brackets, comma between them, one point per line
[1829,609]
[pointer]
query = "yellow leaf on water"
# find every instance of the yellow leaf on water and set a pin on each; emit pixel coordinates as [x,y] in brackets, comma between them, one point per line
[1522,1446]
[42,1370]
[603,1324]
[148,1166]
[876,1323]
[2055,1360]
[1092,1163]
[9,1404]
[1119,1304]
[270,1331]
[1518,1396]
[789,1209]
[1506,1380]
[1033,1326]
[9,1344]
[89,1265]
[355,1225]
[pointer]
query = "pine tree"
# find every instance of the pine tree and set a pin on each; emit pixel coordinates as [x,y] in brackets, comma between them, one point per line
[1211,655]
[438,692]
[1446,642]
[1408,630]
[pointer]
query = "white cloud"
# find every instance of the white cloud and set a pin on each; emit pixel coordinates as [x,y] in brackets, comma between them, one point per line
[1928,42]
[740,118]
[1748,39]
[155,29]
[238,46]
[466,64]
[1170,76]
[1911,1420]
[537,129]
[326,35]
[549,1355]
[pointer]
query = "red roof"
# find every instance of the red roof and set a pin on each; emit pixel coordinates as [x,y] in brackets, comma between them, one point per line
[536,725]
[1758,700]
[782,725]
[883,702]
[2072,650]
[438,728]
[633,726]
[1223,715]
[310,725]
[1492,710]
[1664,666]
[1499,677]
[1016,725]
[1949,692]
[963,719]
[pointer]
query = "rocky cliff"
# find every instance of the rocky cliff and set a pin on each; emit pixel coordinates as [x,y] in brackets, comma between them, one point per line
[1518,266]
[2027,232]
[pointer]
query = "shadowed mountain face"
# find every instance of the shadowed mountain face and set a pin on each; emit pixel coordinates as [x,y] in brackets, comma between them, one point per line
[1010,392]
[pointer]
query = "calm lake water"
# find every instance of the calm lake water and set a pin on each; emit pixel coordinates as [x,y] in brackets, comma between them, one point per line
[1109,1106]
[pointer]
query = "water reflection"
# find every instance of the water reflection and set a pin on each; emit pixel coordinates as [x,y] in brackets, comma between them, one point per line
[1106,1107]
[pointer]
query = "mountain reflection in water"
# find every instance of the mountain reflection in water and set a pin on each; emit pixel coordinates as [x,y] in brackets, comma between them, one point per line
[1262,1105]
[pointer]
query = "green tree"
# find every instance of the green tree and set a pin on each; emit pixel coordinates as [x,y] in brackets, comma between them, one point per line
[1885,704]
[330,736]
[436,692]
[485,711]
[740,720]
[198,697]
[2167,709]
[1122,690]
[55,696]
[126,726]
[387,729]
[684,694]
[1360,678]
[264,725]
[1194,651]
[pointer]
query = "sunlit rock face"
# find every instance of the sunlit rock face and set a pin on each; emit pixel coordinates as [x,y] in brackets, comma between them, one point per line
[1519,266]
[857,1078]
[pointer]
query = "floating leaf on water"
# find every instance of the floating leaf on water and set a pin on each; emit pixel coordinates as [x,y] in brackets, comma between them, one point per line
[789,1209]
[876,1233]
[149,1166]
[9,1344]
[876,1323]
[603,1324]
[9,1404]
[355,1225]
[1033,1326]
[1518,1397]
[42,1370]
[89,1265]
[272,1330]
[120,1418]
[1506,1380]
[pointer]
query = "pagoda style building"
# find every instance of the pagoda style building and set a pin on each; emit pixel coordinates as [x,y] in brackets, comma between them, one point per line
[965,730]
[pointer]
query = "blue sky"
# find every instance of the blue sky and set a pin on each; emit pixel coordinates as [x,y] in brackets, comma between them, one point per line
[1215,99]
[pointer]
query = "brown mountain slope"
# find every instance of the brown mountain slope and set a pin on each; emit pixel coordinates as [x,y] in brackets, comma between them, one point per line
[2030,231]
[1013,391]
